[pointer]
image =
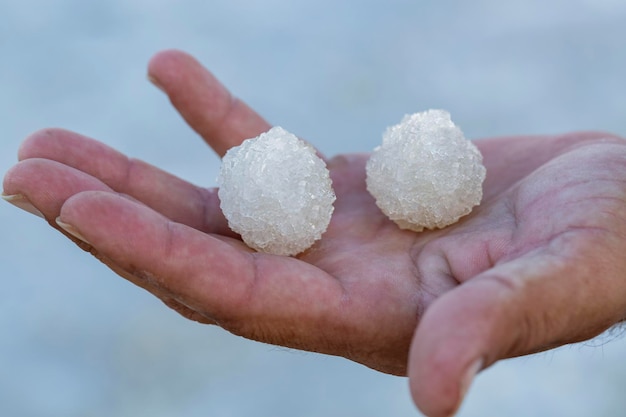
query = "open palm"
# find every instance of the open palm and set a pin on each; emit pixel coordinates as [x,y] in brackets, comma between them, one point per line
[538,264]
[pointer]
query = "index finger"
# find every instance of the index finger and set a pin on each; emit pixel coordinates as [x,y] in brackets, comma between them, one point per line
[278,300]
[207,106]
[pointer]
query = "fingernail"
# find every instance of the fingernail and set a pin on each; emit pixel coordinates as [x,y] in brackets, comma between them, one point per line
[71,230]
[20,201]
[469,376]
[156,83]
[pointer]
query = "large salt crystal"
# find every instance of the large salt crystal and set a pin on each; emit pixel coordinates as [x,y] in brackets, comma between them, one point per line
[276,193]
[426,174]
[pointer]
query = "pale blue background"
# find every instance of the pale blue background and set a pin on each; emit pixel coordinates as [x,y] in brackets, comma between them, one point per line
[75,340]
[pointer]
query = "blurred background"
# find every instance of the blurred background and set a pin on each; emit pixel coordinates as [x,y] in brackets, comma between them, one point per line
[75,340]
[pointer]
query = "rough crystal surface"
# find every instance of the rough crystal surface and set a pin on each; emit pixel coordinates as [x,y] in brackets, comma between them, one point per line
[426,174]
[276,193]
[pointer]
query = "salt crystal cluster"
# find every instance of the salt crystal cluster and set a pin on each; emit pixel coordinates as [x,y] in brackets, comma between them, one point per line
[276,193]
[425,175]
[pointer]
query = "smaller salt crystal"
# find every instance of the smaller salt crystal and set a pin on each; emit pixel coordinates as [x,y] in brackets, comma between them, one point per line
[425,175]
[276,193]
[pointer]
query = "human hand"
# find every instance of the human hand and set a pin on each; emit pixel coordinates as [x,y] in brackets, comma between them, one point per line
[538,264]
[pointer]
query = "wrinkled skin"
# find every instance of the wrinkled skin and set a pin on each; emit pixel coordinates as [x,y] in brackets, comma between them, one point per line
[538,264]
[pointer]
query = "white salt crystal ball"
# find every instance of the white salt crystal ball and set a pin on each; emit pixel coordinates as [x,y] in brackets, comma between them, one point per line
[276,193]
[425,175]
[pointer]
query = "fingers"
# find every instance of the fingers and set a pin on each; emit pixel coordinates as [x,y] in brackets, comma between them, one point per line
[42,186]
[46,184]
[209,108]
[263,297]
[176,199]
[528,305]
[221,119]
[147,244]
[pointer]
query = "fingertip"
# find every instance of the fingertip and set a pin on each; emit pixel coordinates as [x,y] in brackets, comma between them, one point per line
[71,230]
[22,202]
[466,379]
[103,218]
[37,142]
[439,390]
[166,64]
[165,58]
[8,183]
[79,204]
[206,105]
[447,352]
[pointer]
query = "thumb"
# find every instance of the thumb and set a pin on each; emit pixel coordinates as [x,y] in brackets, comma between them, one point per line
[523,306]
